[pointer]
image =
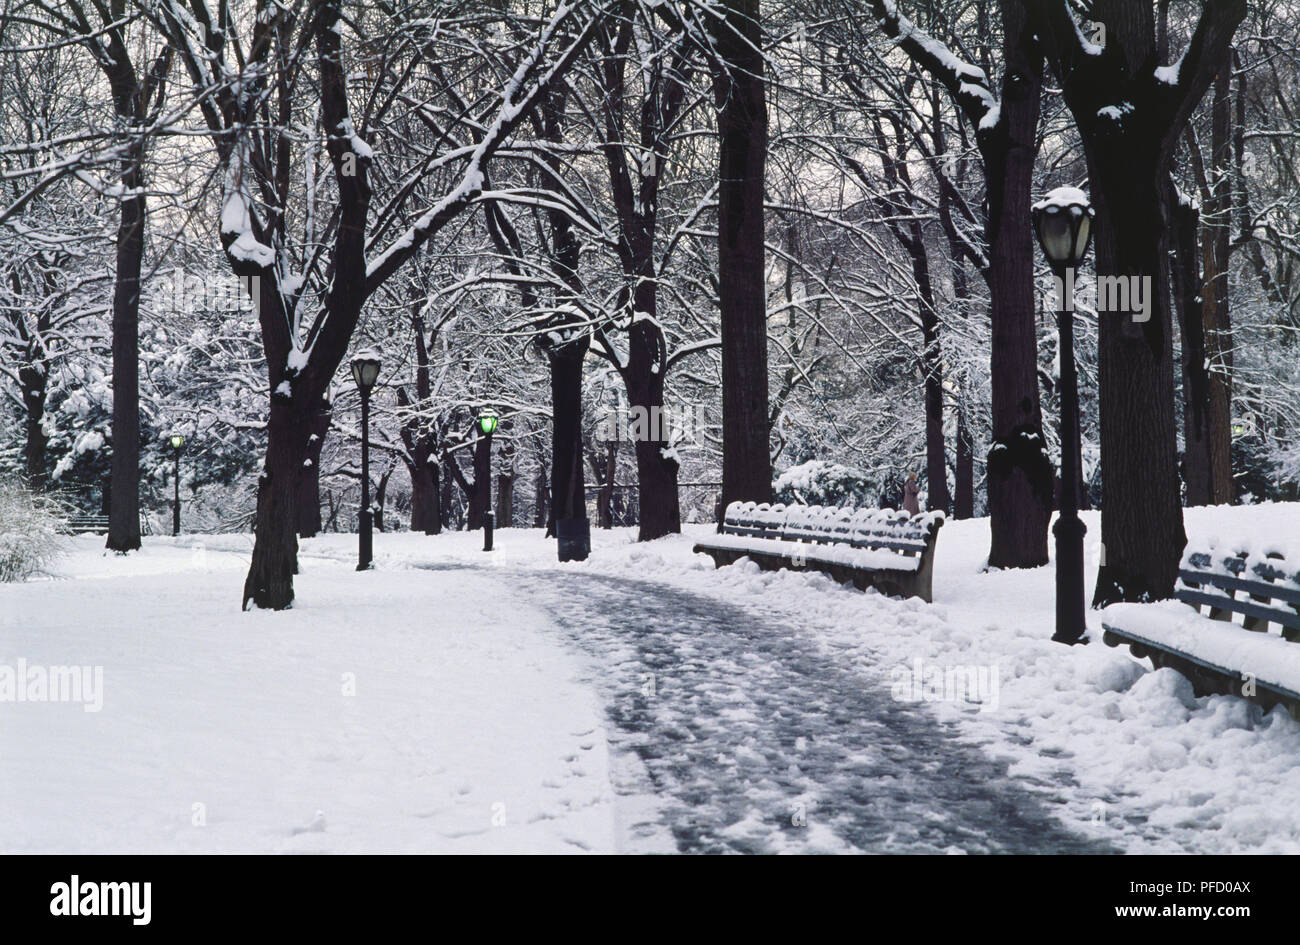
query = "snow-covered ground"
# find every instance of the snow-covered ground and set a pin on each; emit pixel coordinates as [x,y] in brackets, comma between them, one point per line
[382,713]
[642,701]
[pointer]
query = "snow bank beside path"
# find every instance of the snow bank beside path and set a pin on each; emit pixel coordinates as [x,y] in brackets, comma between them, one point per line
[381,714]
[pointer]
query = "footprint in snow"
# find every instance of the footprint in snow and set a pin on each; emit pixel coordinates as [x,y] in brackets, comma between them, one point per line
[317,825]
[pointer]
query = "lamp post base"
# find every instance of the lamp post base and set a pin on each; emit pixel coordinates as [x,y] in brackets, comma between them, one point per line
[365,542]
[1071,624]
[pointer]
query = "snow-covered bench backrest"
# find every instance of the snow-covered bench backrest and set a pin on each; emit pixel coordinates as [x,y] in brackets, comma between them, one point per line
[1262,585]
[887,528]
[862,528]
[807,523]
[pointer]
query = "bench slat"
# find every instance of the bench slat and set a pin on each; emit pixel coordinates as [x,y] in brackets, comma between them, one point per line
[889,543]
[1230,582]
[1244,607]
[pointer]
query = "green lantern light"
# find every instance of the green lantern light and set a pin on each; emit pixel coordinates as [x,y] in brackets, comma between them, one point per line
[177,441]
[487,422]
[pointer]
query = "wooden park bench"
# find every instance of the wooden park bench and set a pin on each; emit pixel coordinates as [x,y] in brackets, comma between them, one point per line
[890,551]
[96,525]
[1233,647]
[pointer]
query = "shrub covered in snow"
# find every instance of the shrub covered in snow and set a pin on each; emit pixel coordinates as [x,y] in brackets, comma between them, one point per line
[818,482]
[28,532]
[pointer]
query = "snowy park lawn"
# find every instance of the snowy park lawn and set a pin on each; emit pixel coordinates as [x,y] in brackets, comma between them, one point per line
[434,705]
[415,714]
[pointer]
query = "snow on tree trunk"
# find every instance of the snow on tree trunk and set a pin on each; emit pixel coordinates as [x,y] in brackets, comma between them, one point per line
[309,517]
[656,463]
[1186,276]
[32,381]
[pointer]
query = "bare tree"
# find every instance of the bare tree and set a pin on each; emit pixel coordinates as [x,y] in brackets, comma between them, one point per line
[1130,110]
[250,92]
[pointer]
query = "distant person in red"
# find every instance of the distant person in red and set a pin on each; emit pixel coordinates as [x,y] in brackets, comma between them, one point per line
[910,492]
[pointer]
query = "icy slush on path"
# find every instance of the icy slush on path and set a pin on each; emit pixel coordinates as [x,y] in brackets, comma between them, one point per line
[758,743]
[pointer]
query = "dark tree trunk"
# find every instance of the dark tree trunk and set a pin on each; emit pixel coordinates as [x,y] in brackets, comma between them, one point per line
[505,500]
[380,500]
[1142,522]
[332,522]
[124,512]
[418,436]
[1196,383]
[1129,120]
[742,155]
[33,383]
[566,351]
[936,463]
[275,550]
[540,503]
[309,518]
[426,513]
[474,491]
[1216,251]
[351,281]
[1019,474]
[294,403]
[480,491]
[473,508]
[605,504]
[636,201]
[656,465]
[660,512]
[964,498]
[447,502]
[897,206]
[568,484]
[133,98]
[964,468]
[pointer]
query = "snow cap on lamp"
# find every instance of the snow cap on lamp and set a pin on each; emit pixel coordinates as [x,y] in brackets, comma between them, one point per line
[1063,223]
[365,368]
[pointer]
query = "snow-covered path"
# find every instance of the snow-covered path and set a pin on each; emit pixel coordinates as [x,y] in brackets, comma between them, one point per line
[756,742]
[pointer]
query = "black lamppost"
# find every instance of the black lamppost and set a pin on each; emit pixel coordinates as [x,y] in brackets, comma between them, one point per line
[487,424]
[365,371]
[1063,222]
[177,442]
